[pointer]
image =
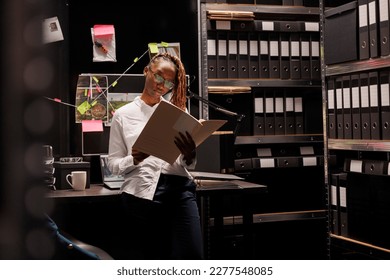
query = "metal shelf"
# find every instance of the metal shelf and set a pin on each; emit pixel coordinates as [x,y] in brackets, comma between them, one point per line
[266,9]
[264,83]
[357,66]
[367,248]
[274,217]
[277,139]
[289,216]
[359,145]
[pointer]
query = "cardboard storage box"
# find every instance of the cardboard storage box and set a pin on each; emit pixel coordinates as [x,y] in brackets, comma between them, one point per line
[341,34]
[64,168]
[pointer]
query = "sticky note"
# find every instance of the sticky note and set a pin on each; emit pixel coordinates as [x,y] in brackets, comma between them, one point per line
[83,107]
[153,47]
[92,126]
[103,30]
[98,88]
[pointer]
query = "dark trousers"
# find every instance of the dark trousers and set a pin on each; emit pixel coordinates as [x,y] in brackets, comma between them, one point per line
[167,227]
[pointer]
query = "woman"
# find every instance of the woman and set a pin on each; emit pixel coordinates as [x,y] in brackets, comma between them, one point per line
[158,198]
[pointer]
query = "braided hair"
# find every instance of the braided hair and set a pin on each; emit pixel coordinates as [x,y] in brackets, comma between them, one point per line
[178,97]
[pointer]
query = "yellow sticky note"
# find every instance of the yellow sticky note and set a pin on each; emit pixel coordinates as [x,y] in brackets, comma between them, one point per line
[164,44]
[83,107]
[153,48]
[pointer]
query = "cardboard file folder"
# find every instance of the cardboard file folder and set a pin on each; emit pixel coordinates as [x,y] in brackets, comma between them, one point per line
[295,56]
[285,56]
[353,165]
[315,56]
[310,26]
[358,202]
[339,107]
[243,164]
[332,124]
[242,25]
[343,192]
[347,116]
[385,104]
[164,126]
[365,106]
[289,114]
[280,26]
[341,34]
[384,28]
[258,122]
[335,203]
[222,65]
[274,56]
[279,113]
[254,70]
[267,162]
[232,55]
[264,56]
[374,106]
[269,114]
[374,167]
[289,161]
[212,56]
[364,45]
[243,55]
[367,201]
[305,56]
[298,111]
[372,27]
[355,107]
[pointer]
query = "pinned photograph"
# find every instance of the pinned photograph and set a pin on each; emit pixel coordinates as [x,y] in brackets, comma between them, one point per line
[52,30]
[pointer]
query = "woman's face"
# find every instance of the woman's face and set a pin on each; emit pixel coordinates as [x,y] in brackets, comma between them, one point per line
[160,78]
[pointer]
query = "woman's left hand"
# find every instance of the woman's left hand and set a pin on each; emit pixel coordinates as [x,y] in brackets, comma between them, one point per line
[187,147]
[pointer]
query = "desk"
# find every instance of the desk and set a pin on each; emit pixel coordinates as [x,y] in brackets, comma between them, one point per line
[93,192]
[210,193]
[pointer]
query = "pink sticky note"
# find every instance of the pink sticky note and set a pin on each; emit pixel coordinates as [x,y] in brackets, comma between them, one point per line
[92,126]
[103,30]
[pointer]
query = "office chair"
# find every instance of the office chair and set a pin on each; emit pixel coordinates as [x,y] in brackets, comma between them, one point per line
[68,247]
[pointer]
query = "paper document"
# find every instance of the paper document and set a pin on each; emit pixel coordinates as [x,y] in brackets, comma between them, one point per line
[157,137]
[199,175]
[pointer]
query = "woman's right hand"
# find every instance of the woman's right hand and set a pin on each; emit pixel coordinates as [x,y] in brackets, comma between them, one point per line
[138,156]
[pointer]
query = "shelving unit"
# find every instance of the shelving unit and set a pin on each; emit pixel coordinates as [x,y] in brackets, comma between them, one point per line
[295,179]
[361,190]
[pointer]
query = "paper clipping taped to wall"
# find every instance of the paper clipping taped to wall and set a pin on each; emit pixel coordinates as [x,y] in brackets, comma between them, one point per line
[51,30]
[157,137]
[103,40]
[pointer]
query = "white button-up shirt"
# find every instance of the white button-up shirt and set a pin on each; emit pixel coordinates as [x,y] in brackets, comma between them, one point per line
[140,180]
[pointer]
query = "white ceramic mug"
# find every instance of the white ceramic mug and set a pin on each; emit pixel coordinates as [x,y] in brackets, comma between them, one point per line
[78,181]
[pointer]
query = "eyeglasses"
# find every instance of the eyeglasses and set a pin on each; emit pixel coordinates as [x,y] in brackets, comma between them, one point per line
[159,80]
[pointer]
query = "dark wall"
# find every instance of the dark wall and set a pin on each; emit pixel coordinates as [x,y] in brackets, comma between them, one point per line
[136,23]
